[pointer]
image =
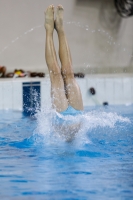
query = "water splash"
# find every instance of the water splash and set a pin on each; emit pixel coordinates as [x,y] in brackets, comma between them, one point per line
[53,127]
[85,27]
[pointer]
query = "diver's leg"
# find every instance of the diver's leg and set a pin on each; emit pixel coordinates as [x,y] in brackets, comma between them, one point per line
[72,89]
[59,100]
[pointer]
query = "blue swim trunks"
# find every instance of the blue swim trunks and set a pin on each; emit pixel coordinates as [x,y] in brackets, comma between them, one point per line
[67,117]
[71,111]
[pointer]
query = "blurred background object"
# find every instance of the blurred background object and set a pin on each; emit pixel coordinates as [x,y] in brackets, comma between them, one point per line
[124,7]
[2,71]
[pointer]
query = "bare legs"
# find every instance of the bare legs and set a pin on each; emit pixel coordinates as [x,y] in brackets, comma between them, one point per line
[59,100]
[64,89]
[72,89]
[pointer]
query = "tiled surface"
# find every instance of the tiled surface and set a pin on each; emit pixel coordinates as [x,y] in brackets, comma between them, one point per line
[17,96]
[91,100]
[127,90]
[118,91]
[83,84]
[101,92]
[112,89]
[7,95]
[132,89]
[109,90]
[45,93]
[1,95]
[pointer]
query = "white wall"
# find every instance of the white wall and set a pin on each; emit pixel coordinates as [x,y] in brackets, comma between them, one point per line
[116,90]
[100,41]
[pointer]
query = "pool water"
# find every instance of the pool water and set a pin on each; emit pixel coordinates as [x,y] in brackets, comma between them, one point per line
[38,163]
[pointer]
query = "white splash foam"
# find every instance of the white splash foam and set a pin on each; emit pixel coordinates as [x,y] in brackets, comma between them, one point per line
[55,127]
[97,118]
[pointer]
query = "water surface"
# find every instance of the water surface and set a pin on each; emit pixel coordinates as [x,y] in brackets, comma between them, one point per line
[37,163]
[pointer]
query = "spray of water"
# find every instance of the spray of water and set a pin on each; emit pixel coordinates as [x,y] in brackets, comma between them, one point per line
[85,27]
[19,37]
[53,127]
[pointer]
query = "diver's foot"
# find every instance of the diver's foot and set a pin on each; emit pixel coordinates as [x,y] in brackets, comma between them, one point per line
[49,18]
[59,18]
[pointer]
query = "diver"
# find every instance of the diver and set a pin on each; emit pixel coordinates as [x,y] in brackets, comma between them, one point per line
[65,92]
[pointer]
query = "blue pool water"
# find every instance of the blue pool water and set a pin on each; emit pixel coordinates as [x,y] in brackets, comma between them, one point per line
[36,162]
